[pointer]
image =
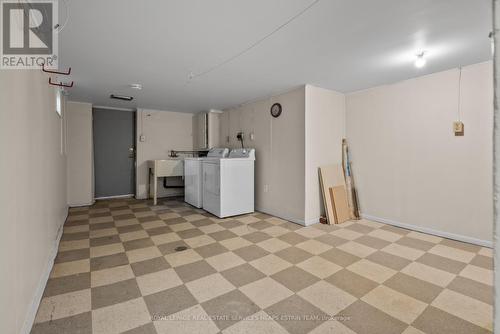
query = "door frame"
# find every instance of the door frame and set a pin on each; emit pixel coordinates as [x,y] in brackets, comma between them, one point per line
[134,172]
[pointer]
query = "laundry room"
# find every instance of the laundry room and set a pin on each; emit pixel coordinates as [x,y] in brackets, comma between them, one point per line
[305,166]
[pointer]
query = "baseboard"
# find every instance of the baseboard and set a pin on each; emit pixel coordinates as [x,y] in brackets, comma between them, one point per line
[447,235]
[117,196]
[277,215]
[30,316]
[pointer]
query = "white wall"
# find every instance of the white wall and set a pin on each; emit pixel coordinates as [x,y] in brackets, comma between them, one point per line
[279,147]
[80,152]
[324,130]
[164,131]
[408,165]
[32,195]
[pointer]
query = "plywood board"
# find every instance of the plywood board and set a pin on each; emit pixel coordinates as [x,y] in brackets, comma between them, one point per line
[330,176]
[340,204]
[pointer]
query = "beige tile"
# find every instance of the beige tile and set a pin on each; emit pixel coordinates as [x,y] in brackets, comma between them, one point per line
[76,229]
[273,245]
[74,244]
[181,227]
[98,220]
[153,224]
[142,254]
[248,219]
[313,247]
[235,243]
[225,261]
[412,330]
[126,222]
[207,229]
[165,238]
[209,287]
[106,250]
[346,234]
[452,253]
[242,230]
[464,307]
[478,274]
[357,249]
[121,317]
[424,237]
[319,267]
[194,217]
[169,215]
[276,220]
[158,281]
[429,274]
[403,251]
[385,235]
[486,252]
[398,305]
[188,321]
[275,231]
[105,232]
[371,270]
[270,264]
[70,268]
[65,305]
[332,327]
[259,322]
[133,235]
[111,275]
[310,232]
[181,258]
[370,223]
[201,240]
[266,292]
[327,297]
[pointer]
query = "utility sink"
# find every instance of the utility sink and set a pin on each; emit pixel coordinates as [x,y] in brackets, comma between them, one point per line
[167,167]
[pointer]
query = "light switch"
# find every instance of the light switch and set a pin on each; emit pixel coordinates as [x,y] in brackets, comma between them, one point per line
[142,138]
[458,128]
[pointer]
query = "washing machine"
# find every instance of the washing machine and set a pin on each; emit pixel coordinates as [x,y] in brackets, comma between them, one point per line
[228,183]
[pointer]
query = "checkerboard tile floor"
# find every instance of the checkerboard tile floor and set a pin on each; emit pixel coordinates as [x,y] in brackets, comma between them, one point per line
[117,271]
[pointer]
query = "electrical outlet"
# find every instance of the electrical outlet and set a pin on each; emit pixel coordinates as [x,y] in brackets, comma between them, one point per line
[458,128]
[266,188]
[142,138]
[252,136]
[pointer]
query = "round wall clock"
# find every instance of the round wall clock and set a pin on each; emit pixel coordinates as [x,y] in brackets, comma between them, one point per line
[276,110]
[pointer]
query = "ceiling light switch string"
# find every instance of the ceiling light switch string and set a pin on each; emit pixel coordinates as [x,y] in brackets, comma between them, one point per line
[459,109]
[193,75]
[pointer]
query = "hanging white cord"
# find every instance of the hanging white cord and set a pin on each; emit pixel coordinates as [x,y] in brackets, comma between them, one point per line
[459,93]
[242,52]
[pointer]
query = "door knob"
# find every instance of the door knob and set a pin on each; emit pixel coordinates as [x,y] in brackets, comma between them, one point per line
[131,152]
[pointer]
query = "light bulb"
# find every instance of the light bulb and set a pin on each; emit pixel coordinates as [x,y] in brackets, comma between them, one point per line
[420,61]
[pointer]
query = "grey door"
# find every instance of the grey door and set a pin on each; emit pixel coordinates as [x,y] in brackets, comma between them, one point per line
[114,152]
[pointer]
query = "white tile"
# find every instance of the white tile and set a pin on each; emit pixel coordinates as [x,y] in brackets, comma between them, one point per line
[158,281]
[319,267]
[259,323]
[327,297]
[209,287]
[398,305]
[266,292]
[188,321]
[111,275]
[371,270]
[121,317]
[429,274]
[225,261]
[64,305]
[466,308]
[452,253]
[357,249]
[270,264]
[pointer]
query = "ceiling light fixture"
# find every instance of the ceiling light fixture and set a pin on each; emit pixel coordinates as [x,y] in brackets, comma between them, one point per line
[136,86]
[420,61]
[121,97]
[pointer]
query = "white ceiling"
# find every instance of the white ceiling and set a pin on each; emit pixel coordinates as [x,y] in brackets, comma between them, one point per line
[344,45]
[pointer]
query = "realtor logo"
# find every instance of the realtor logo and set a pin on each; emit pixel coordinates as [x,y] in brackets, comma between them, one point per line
[29,36]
